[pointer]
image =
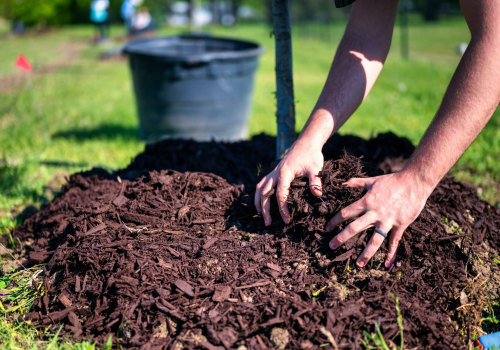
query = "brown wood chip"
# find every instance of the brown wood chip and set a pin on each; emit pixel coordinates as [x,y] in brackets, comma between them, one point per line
[185,287]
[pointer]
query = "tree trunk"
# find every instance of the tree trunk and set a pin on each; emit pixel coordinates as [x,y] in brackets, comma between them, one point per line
[431,10]
[235,6]
[269,12]
[284,78]
[193,5]
[405,48]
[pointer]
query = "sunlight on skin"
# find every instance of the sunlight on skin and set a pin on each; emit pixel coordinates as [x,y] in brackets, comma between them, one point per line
[372,69]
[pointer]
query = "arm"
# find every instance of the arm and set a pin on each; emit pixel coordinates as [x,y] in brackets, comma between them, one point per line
[471,98]
[355,68]
[394,201]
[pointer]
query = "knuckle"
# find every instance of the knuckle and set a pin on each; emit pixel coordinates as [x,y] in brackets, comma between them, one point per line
[394,244]
[344,214]
[369,201]
[377,241]
[281,194]
[351,229]
[261,183]
[339,240]
[282,172]
[282,188]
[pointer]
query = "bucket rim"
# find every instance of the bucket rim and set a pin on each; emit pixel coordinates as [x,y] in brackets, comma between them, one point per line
[137,48]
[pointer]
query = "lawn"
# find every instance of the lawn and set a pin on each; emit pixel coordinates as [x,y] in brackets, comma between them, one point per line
[82,114]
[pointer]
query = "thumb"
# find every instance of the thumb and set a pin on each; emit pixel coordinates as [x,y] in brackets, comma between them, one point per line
[315,183]
[365,182]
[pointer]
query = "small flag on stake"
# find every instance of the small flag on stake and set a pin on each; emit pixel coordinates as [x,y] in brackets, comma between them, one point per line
[23,63]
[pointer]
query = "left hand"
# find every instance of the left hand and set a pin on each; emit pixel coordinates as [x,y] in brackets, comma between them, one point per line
[391,204]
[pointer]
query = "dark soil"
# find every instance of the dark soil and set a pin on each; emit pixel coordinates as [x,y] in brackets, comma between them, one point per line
[170,253]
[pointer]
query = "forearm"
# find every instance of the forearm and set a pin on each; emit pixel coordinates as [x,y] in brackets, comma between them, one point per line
[471,99]
[349,81]
[355,68]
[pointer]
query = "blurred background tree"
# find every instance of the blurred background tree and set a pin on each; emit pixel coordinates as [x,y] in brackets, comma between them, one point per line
[47,13]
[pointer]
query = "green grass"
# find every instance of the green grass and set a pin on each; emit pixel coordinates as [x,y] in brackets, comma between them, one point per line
[83,115]
[376,341]
[19,289]
[21,336]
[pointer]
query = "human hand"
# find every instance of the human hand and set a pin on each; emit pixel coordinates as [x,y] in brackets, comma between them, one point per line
[300,161]
[391,204]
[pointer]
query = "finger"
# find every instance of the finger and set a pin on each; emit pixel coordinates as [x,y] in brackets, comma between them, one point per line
[373,245]
[394,240]
[315,183]
[265,200]
[258,195]
[365,182]
[355,209]
[282,191]
[355,227]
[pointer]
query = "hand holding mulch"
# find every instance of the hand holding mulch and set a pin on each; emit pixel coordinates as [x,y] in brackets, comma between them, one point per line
[299,161]
[391,204]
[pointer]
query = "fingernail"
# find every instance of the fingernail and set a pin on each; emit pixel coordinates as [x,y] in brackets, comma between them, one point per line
[389,263]
[267,222]
[333,245]
[330,226]
[317,188]
[360,263]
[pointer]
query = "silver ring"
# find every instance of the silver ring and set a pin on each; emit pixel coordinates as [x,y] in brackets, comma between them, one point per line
[379,231]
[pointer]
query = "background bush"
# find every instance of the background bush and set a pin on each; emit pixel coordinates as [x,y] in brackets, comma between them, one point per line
[43,13]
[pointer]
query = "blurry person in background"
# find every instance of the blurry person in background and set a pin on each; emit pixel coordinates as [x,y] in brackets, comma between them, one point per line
[142,22]
[99,16]
[128,11]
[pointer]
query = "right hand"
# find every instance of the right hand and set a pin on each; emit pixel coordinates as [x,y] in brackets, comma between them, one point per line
[301,160]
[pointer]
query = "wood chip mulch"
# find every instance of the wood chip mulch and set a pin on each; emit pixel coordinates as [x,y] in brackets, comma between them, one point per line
[169,253]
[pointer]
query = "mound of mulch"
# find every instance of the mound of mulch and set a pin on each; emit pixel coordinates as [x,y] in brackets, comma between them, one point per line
[169,253]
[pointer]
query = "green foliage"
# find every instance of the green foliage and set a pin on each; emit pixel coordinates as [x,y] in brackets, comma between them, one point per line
[315,292]
[41,13]
[19,335]
[376,341]
[35,13]
[19,289]
[491,319]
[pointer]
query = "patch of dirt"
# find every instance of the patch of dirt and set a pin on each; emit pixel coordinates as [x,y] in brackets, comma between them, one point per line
[169,253]
[67,54]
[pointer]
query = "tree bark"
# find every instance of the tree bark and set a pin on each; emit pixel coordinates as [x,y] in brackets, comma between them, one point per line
[284,77]
[193,5]
[235,9]
[405,48]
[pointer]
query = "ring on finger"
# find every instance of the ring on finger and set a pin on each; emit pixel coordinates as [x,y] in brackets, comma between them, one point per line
[380,232]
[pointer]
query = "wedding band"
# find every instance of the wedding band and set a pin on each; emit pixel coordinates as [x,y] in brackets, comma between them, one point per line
[379,231]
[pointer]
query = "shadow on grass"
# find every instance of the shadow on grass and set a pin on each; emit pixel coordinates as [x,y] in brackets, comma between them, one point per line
[12,178]
[64,163]
[103,131]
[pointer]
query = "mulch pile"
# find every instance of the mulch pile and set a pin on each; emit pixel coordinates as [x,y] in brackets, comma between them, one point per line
[170,253]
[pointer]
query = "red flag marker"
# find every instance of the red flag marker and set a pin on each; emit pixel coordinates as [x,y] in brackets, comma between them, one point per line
[23,63]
